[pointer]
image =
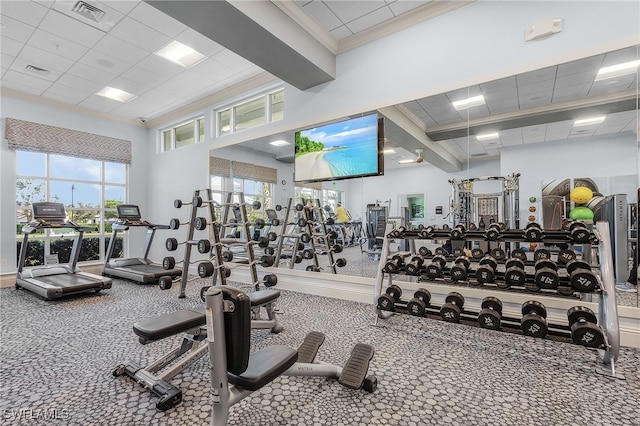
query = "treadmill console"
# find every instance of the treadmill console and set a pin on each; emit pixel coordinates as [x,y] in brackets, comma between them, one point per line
[51,213]
[129,214]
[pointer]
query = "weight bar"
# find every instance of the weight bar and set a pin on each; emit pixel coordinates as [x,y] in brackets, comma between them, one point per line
[533,232]
[491,314]
[204,246]
[514,274]
[486,272]
[581,276]
[584,327]
[534,319]
[417,306]
[546,274]
[198,201]
[452,308]
[460,268]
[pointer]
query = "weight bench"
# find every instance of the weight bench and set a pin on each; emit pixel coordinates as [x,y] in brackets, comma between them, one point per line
[236,372]
[191,322]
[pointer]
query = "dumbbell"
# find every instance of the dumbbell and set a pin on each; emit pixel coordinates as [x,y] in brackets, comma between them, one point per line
[565,256]
[581,276]
[417,306]
[457,233]
[546,274]
[534,319]
[267,260]
[579,233]
[270,280]
[394,264]
[491,314]
[414,265]
[452,308]
[434,269]
[340,262]
[204,246]
[387,301]
[307,254]
[426,232]
[458,251]
[584,327]
[398,232]
[305,238]
[272,236]
[206,268]
[533,232]
[540,254]
[459,269]
[301,222]
[486,272]
[195,201]
[477,254]
[175,223]
[336,248]
[519,254]
[424,252]
[514,274]
[498,253]
[493,232]
[441,251]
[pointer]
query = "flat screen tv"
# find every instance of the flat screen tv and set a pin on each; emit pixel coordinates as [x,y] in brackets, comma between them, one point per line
[342,150]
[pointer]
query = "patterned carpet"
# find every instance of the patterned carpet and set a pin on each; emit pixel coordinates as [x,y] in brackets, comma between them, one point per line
[57,360]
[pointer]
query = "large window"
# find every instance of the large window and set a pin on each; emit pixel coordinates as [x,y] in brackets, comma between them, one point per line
[252,190]
[90,191]
[264,108]
[183,134]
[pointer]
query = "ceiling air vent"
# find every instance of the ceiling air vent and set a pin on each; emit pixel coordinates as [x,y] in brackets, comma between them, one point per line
[36,70]
[88,11]
[482,154]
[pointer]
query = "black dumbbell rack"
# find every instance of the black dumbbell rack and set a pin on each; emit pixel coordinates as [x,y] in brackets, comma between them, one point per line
[599,237]
[288,241]
[322,233]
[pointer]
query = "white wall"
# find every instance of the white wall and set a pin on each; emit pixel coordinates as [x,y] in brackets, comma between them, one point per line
[41,113]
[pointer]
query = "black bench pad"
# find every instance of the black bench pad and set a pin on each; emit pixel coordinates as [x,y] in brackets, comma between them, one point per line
[264,366]
[261,297]
[166,325]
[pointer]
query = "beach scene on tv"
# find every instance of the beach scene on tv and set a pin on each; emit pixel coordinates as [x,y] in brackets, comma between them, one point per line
[339,150]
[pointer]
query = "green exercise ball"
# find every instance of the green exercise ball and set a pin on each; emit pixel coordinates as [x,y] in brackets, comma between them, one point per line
[532,199]
[581,213]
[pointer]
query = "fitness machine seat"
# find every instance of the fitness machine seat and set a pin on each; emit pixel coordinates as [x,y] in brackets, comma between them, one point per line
[264,366]
[261,297]
[162,326]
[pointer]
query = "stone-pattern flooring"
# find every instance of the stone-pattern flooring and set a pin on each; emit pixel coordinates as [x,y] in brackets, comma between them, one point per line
[57,360]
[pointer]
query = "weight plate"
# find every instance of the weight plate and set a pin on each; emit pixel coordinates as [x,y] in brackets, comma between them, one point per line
[566,255]
[450,313]
[458,273]
[458,251]
[565,290]
[577,313]
[455,298]
[534,325]
[423,294]
[490,261]
[583,281]
[477,253]
[416,307]
[440,260]
[515,277]
[498,254]
[385,302]
[424,251]
[574,265]
[485,274]
[541,254]
[533,234]
[503,284]
[532,287]
[492,234]
[514,263]
[464,260]
[394,291]
[534,307]
[587,334]
[488,318]
[434,271]
[546,263]
[519,254]
[547,278]
[580,235]
[441,251]
[493,303]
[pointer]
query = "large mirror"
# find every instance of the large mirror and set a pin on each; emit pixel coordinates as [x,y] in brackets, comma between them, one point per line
[528,123]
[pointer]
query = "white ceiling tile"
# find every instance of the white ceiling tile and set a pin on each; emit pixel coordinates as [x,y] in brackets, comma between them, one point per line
[620,56]
[104,62]
[159,21]
[57,45]
[197,41]
[213,70]
[6,61]
[186,83]
[70,93]
[43,59]
[399,7]
[15,29]
[120,49]
[99,103]
[322,14]
[20,65]
[533,77]
[499,85]
[17,84]
[579,78]
[340,32]
[35,84]
[66,27]
[233,61]
[79,83]
[10,46]
[90,73]
[347,11]
[572,92]
[143,76]
[511,137]
[131,31]
[370,19]
[24,11]
[160,66]
[123,6]
[581,65]
[535,101]
[129,86]
[537,87]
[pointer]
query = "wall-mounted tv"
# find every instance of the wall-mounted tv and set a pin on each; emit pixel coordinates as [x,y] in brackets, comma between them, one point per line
[342,150]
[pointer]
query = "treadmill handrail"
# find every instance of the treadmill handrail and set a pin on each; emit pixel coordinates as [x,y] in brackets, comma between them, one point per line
[32,227]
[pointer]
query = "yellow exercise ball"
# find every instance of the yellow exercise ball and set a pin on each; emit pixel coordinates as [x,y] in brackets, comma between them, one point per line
[581,194]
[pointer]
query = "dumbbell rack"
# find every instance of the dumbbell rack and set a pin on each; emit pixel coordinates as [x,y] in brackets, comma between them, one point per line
[290,238]
[324,234]
[608,319]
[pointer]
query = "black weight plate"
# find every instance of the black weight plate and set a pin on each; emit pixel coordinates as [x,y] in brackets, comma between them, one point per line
[577,313]
[485,274]
[439,260]
[519,254]
[587,334]
[171,244]
[458,272]
[502,284]
[200,223]
[489,261]
[534,325]
[515,277]
[546,263]
[576,264]
[440,251]
[492,303]
[204,246]
[424,251]
[533,234]
[456,234]
[583,281]
[416,307]
[385,302]
[488,318]
[455,298]
[458,251]
[205,269]
[477,253]
[534,307]
[492,234]
[580,235]
[498,254]
[434,271]
[423,294]
[541,254]
[566,255]
[464,260]
[394,291]
[450,313]
[514,263]
[547,278]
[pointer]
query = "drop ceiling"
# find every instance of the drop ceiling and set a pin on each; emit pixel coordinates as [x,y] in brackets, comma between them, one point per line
[53,52]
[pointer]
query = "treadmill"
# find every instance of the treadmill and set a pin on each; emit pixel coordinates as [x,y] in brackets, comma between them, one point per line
[141,270]
[56,280]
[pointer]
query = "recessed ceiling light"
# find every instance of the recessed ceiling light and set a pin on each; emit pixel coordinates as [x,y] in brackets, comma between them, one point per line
[388,151]
[180,54]
[589,121]
[469,102]
[279,143]
[406,161]
[115,94]
[487,136]
[617,70]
